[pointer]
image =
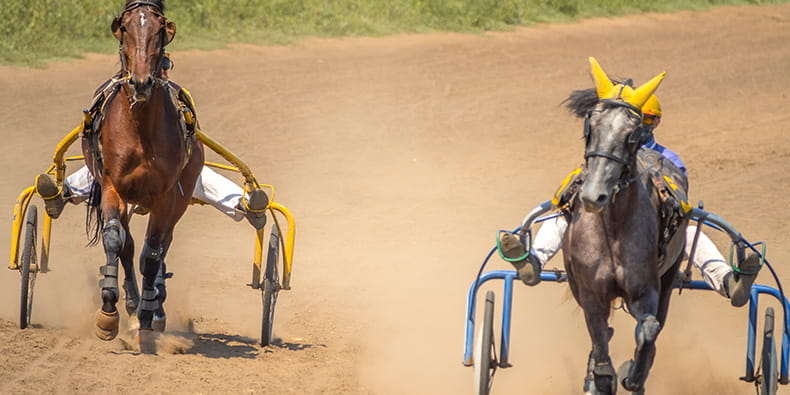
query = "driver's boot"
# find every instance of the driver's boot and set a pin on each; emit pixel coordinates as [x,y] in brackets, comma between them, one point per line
[528,268]
[51,194]
[254,208]
[739,284]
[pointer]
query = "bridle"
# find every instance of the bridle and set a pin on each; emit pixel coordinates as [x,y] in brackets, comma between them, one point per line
[162,36]
[634,140]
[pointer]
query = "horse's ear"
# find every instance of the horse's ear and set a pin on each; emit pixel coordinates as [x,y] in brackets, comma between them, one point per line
[603,85]
[170,31]
[641,94]
[116,27]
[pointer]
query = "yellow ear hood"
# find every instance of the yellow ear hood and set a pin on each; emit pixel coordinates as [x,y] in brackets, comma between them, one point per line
[608,90]
[641,94]
[603,85]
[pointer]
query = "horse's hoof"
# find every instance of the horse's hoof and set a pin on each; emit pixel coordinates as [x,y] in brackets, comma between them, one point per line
[159,324]
[107,325]
[633,388]
[605,379]
[589,386]
[146,338]
[624,371]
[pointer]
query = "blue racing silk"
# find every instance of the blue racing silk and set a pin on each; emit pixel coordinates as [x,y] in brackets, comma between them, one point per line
[669,154]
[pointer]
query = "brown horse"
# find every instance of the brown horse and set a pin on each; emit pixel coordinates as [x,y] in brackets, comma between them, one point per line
[143,156]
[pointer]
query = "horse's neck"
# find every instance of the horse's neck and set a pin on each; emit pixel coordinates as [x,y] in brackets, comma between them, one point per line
[144,109]
[635,199]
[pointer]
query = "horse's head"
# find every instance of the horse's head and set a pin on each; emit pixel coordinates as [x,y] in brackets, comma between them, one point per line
[613,132]
[143,32]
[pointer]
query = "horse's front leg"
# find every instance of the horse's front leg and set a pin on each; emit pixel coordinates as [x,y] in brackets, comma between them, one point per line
[150,262]
[644,308]
[163,218]
[601,377]
[160,318]
[131,291]
[114,236]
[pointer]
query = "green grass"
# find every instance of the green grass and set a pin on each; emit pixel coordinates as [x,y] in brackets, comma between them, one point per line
[34,32]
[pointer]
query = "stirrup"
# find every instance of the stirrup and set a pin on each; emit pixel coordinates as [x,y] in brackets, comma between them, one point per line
[51,194]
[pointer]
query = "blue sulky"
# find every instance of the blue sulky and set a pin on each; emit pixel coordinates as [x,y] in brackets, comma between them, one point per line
[699,215]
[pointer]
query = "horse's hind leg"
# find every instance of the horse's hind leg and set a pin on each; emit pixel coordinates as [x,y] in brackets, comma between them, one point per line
[601,377]
[644,310]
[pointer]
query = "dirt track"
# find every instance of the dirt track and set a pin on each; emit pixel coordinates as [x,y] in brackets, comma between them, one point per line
[400,158]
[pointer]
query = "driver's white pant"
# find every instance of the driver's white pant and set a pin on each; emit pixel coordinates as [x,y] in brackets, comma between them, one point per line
[211,188]
[707,258]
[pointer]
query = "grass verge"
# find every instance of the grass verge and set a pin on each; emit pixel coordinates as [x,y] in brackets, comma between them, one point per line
[34,32]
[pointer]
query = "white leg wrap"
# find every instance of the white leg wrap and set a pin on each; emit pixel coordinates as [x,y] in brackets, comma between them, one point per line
[709,261]
[548,240]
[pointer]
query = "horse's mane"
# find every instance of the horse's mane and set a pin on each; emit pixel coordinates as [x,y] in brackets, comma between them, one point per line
[581,101]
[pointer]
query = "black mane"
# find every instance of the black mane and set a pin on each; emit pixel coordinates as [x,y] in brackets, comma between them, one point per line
[581,101]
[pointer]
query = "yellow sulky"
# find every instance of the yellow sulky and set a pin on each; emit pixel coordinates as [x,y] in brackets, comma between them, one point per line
[58,169]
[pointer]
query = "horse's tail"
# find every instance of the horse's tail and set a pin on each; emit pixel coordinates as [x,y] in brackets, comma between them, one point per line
[94,221]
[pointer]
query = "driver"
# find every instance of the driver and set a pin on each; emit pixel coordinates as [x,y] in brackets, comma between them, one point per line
[211,187]
[718,274]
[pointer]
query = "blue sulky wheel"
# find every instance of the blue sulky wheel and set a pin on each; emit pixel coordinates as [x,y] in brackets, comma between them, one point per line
[270,287]
[28,267]
[484,354]
[769,381]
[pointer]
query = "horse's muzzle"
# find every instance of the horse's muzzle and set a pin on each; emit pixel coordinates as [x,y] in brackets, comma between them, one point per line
[594,202]
[141,89]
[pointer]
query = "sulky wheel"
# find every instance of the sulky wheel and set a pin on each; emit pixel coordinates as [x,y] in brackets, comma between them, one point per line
[270,287]
[769,381]
[484,358]
[28,267]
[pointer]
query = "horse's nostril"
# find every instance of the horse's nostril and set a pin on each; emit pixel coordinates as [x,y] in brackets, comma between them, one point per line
[602,198]
[149,81]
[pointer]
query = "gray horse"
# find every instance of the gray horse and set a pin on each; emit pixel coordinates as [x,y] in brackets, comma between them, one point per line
[615,245]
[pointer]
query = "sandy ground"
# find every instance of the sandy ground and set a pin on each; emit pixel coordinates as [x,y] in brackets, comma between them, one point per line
[400,157]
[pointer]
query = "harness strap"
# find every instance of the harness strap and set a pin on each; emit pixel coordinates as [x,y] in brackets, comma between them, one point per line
[605,155]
